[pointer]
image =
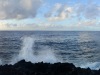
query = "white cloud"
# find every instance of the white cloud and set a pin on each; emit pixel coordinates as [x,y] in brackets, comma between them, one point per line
[89,11]
[59,12]
[56,7]
[31,26]
[12,9]
[88,23]
[21,9]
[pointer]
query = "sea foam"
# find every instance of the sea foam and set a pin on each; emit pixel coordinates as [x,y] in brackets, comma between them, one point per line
[27,53]
[46,54]
[0,62]
[91,65]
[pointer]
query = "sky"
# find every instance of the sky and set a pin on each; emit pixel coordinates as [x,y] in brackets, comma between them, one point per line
[50,15]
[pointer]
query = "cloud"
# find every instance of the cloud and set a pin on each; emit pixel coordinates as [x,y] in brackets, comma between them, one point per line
[19,9]
[31,26]
[56,7]
[88,11]
[59,12]
[88,23]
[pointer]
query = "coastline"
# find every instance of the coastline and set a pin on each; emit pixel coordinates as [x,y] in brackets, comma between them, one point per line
[27,68]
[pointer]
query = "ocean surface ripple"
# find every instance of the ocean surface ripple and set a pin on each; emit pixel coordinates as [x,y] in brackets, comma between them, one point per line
[80,48]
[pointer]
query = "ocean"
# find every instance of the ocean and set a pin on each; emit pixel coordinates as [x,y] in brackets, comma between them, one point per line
[81,48]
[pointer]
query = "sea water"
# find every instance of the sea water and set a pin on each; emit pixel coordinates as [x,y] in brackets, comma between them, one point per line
[81,48]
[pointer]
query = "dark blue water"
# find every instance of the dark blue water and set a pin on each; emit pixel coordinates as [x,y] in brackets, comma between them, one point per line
[80,48]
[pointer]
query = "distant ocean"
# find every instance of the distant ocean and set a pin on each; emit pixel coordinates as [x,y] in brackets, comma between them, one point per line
[81,48]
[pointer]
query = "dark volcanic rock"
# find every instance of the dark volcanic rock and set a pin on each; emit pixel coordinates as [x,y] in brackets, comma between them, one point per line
[28,68]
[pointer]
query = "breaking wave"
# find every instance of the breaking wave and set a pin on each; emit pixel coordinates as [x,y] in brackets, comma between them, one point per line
[0,62]
[92,65]
[28,54]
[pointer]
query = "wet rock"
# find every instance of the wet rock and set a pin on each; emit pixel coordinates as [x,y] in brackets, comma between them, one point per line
[28,68]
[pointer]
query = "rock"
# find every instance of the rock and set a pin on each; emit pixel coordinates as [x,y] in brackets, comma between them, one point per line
[28,68]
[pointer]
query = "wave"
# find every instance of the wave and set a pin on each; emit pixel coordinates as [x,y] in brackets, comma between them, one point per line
[91,65]
[0,62]
[46,54]
[28,54]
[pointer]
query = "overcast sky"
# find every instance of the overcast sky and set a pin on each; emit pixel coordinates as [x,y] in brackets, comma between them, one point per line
[50,15]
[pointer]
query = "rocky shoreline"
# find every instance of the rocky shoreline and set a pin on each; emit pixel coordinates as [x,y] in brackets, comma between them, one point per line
[28,68]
